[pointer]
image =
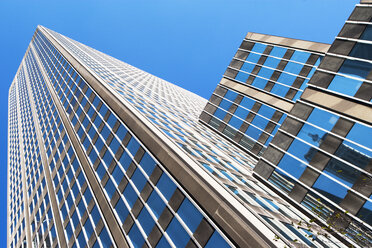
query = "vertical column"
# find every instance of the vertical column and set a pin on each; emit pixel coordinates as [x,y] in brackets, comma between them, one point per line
[23,172]
[52,194]
[108,214]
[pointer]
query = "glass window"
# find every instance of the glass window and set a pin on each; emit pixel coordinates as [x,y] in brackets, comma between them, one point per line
[166,186]
[279,90]
[241,112]
[365,213]
[156,204]
[110,188]
[265,72]
[163,243]
[130,195]
[361,134]
[216,241]
[247,103]
[139,180]
[69,230]
[178,235]
[300,56]
[311,135]
[272,62]
[81,207]
[242,77]
[293,68]
[286,78]
[235,122]
[253,132]
[248,67]
[121,132]
[117,174]
[125,160]
[342,172]
[107,158]
[190,215]
[343,85]
[292,166]
[101,170]
[225,104]
[114,145]
[322,119]
[105,238]
[81,239]
[330,189]
[259,83]
[278,52]
[362,50]
[146,221]
[95,215]
[259,48]
[147,163]
[231,95]
[133,146]
[136,237]
[121,210]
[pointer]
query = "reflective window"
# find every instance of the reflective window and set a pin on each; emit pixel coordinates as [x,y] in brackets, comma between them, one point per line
[265,73]
[330,189]
[241,112]
[279,90]
[189,214]
[286,78]
[365,213]
[292,166]
[166,186]
[300,56]
[278,51]
[293,68]
[259,48]
[271,62]
[216,241]
[344,85]
[242,77]
[259,83]
[367,34]
[248,67]
[136,237]
[362,50]
[323,119]
[176,232]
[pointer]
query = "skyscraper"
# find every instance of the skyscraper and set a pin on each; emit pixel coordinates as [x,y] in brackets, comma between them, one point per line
[314,147]
[104,154]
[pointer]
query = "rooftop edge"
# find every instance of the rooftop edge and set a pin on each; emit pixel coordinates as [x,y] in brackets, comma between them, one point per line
[290,42]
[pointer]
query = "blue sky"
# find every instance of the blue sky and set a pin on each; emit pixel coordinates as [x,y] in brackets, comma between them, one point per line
[189,43]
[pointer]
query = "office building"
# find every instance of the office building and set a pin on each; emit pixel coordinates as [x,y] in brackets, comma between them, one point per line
[103,154]
[259,88]
[314,146]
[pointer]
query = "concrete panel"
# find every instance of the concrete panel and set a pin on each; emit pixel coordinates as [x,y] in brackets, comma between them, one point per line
[338,104]
[342,47]
[293,43]
[263,169]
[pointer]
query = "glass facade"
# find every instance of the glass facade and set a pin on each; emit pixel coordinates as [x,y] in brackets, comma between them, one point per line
[81,123]
[321,156]
[276,70]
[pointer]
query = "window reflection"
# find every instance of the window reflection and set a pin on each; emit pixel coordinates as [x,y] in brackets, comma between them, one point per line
[330,189]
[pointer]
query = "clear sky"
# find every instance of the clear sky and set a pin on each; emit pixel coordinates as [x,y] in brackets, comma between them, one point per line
[187,42]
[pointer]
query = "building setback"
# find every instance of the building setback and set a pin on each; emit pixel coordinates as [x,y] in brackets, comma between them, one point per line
[314,147]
